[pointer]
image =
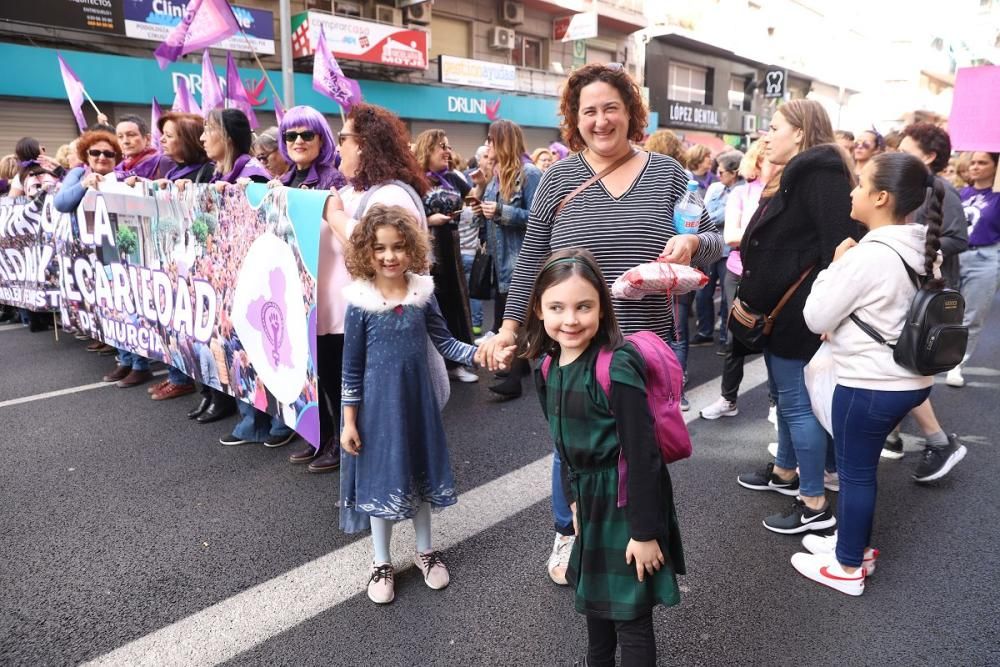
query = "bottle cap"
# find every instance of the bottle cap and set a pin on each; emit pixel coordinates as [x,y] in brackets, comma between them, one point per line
[692,186]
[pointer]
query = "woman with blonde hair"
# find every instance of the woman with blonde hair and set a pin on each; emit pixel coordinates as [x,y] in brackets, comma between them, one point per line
[802,217]
[443,205]
[504,210]
[699,162]
[667,143]
[542,158]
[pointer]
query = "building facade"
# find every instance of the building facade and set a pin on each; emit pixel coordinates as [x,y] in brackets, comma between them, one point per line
[454,64]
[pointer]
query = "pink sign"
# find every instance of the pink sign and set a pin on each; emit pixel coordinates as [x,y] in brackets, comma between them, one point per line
[974,124]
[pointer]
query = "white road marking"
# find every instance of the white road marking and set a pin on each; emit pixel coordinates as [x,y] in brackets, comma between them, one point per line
[235,625]
[9,327]
[63,392]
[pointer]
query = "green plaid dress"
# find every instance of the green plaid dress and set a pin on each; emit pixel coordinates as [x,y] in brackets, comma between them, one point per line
[587,436]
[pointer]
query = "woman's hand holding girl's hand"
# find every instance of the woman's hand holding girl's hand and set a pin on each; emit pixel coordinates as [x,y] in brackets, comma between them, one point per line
[647,556]
[438,219]
[490,352]
[680,249]
[844,246]
[350,440]
[504,356]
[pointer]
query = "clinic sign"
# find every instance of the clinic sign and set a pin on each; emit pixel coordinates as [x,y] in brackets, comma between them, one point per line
[775,83]
[479,73]
[365,41]
[154,19]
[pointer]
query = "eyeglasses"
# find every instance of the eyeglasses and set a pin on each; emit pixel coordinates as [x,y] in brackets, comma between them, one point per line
[93,152]
[291,136]
[863,144]
[341,136]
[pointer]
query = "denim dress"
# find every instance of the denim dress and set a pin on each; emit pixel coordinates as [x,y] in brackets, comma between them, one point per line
[404,460]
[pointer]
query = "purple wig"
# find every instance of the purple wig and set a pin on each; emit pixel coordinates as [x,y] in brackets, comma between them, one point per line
[559,149]
[309,118]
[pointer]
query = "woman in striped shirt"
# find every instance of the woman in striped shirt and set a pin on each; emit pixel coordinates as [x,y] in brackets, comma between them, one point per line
[625,219]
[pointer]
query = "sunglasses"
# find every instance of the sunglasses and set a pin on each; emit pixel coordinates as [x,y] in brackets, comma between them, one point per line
[93,152]
[342,136]
[291,136]
[863,144]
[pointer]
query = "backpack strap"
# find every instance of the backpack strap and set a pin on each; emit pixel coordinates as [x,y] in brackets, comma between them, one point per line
[546,366]
[869,329]
[602,370]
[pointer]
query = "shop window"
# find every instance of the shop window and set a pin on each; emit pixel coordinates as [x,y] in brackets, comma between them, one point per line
[599,56]
[687,83]
[737,92]
[527,52]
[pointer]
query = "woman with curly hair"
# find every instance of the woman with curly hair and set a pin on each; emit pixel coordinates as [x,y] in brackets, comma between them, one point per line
[380,169]
[624,217]
[443,205]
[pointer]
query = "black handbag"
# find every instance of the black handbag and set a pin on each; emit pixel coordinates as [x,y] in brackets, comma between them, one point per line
[481,276]
[752,328]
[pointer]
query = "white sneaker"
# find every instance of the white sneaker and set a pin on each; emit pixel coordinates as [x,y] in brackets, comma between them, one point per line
[721,408]
[559,558]
[772,449]
[462,374]
[831,481]
[772,416]
[954,377]
[827,544]
[824,569]
[485,337]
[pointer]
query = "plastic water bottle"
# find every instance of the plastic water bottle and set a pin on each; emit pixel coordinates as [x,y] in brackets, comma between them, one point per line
[687,211]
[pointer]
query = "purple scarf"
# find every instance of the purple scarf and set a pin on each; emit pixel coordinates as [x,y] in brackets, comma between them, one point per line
[320,177]
[439,176]
[180,171]
[245,166]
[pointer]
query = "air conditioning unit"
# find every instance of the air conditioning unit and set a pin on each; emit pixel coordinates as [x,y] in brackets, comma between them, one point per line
[351,8]
[388,14]
[511,12]
[420,13]
[501,38]
[749,124]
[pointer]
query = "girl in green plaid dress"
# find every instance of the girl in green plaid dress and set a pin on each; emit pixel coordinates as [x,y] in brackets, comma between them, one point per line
[625,560]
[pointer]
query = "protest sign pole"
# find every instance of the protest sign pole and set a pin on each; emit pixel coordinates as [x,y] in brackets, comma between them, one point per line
[267,78]
[87,95]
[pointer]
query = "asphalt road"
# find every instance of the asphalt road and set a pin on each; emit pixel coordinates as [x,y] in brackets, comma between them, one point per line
[130,535]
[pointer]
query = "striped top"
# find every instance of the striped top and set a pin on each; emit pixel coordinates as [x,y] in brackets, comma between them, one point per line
[621,233]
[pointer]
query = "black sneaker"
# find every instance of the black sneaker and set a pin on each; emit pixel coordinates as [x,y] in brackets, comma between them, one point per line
[800,518]
[701,341]
[279,440]
[938,461]
[768,481]
[230,440]
[893,447]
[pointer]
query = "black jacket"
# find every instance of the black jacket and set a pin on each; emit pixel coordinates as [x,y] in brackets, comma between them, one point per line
[798,227]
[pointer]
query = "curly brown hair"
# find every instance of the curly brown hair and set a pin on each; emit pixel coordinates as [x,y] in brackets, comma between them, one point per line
[360,254]
[386,155]
[614,75]
[88,139]
[666,143]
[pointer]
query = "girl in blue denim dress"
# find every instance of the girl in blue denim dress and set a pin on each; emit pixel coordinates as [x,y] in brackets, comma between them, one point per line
[398,466]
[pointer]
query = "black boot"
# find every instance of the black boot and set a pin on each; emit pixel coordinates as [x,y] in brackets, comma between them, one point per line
[221,406]
[206,400]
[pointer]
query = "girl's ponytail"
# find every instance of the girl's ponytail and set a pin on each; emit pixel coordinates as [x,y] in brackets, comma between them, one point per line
[935,202]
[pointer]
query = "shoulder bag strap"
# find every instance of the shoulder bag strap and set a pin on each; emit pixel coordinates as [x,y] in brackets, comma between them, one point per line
[593,179]
[788,294]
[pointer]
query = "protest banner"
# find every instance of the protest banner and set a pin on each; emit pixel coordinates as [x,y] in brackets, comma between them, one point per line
[29,270]
[219,285]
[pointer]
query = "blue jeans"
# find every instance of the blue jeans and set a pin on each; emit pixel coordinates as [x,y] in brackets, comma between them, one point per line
[136,362]
[862,419]
[802,441]
[175,376]
[475,305]
[561,512]
[980,272]
[679,344]
[257,426]
[704,302]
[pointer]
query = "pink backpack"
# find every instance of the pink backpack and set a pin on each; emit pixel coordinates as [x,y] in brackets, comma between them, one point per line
[664,386]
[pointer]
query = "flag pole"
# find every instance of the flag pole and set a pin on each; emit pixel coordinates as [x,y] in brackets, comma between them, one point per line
[267,78]
[87,95]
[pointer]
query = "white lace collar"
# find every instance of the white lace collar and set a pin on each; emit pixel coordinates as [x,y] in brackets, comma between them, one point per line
[362,293]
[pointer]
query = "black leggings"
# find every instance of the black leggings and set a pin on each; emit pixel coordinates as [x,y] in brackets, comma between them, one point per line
[330,350]
[636,638]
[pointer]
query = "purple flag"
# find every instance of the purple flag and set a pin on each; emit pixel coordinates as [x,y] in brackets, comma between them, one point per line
[74,91]
[211,91]
[279,111]
[329,79]
[205,22]
[155,127]
[184,102]
[236,94]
